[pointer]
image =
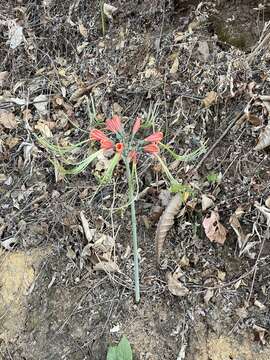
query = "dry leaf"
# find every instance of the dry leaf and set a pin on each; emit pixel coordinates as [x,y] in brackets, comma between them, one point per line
[108,266]
[41,104]
[9,244]
[175,286]
[208,296]
[89,233]
[242,238]
[44,129]
[109,10]
[214,230]
[207,202]
[210,99]
[7,120]
[204,49]
[260,305]
[175,66]
[265,211]
[15,34]
[3,77]
[165,197]
[253,119]
[165,223]
[83,30]
[264,139]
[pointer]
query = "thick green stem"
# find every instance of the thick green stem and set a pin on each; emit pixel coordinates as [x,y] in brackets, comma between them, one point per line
[134,234]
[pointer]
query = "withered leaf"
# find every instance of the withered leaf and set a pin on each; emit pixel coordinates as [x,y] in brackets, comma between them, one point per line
[83,30]
[109,10]
[175,286]
[265,211]
[175,66]
[210,99]
[214,230]
[7,120]
[264,139]
[107,266]
[165,223]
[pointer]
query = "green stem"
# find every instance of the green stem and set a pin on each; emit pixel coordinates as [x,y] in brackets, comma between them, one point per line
[134,233]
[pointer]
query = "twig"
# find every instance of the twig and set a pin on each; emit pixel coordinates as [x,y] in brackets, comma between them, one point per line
[225,132]
[255,268]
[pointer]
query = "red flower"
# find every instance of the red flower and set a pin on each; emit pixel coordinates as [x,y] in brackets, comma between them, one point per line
[114,124]
[119,147]
[151,148]
[156,137]
[98,135]
[136,126]
[106,144]
[133,156]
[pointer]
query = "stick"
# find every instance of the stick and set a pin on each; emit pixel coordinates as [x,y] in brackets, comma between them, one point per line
[225,132]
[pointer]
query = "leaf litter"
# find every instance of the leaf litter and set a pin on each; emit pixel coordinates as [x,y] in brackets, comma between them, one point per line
[128,69]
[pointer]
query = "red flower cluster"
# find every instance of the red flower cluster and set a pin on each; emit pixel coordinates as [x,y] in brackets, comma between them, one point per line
[115,126]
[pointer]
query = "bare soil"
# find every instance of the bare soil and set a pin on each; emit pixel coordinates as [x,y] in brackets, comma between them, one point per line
[53,305]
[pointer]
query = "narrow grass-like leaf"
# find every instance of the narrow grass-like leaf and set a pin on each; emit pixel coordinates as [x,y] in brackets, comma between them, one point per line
[81,166]
[188,157]
[109,172]
[166,170]
[59,150]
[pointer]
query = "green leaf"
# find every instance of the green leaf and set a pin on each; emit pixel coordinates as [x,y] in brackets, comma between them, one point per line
[212,177]
[122,351]
[188,157]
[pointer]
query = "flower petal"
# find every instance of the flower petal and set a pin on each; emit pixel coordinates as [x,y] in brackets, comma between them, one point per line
[151,148]
[106,144]
[98,135]
[132,156]
[114,124]
[155,137]
[136,126]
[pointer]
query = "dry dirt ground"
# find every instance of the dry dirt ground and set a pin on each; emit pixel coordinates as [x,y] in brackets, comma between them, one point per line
[164,55]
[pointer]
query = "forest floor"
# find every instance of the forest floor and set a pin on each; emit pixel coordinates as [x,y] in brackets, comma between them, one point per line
[203,70]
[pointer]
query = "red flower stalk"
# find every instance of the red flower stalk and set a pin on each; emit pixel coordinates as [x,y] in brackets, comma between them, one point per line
[119,147]
[155,137]
[106,144]
[151,148]
[114,124]
[133,156]
[98,135]
[136,126]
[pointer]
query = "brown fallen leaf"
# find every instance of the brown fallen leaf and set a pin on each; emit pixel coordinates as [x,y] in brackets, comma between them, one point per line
[207,202]
[254,119]
[214,230]
[3,77]
[108,266]
[44,129]
[208,296]
[265,211]
[175,286]
[242,238]
[7,120]
[83,31]
[210,99]
[165,223]
[175,66]
[109,10]
[264,139]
